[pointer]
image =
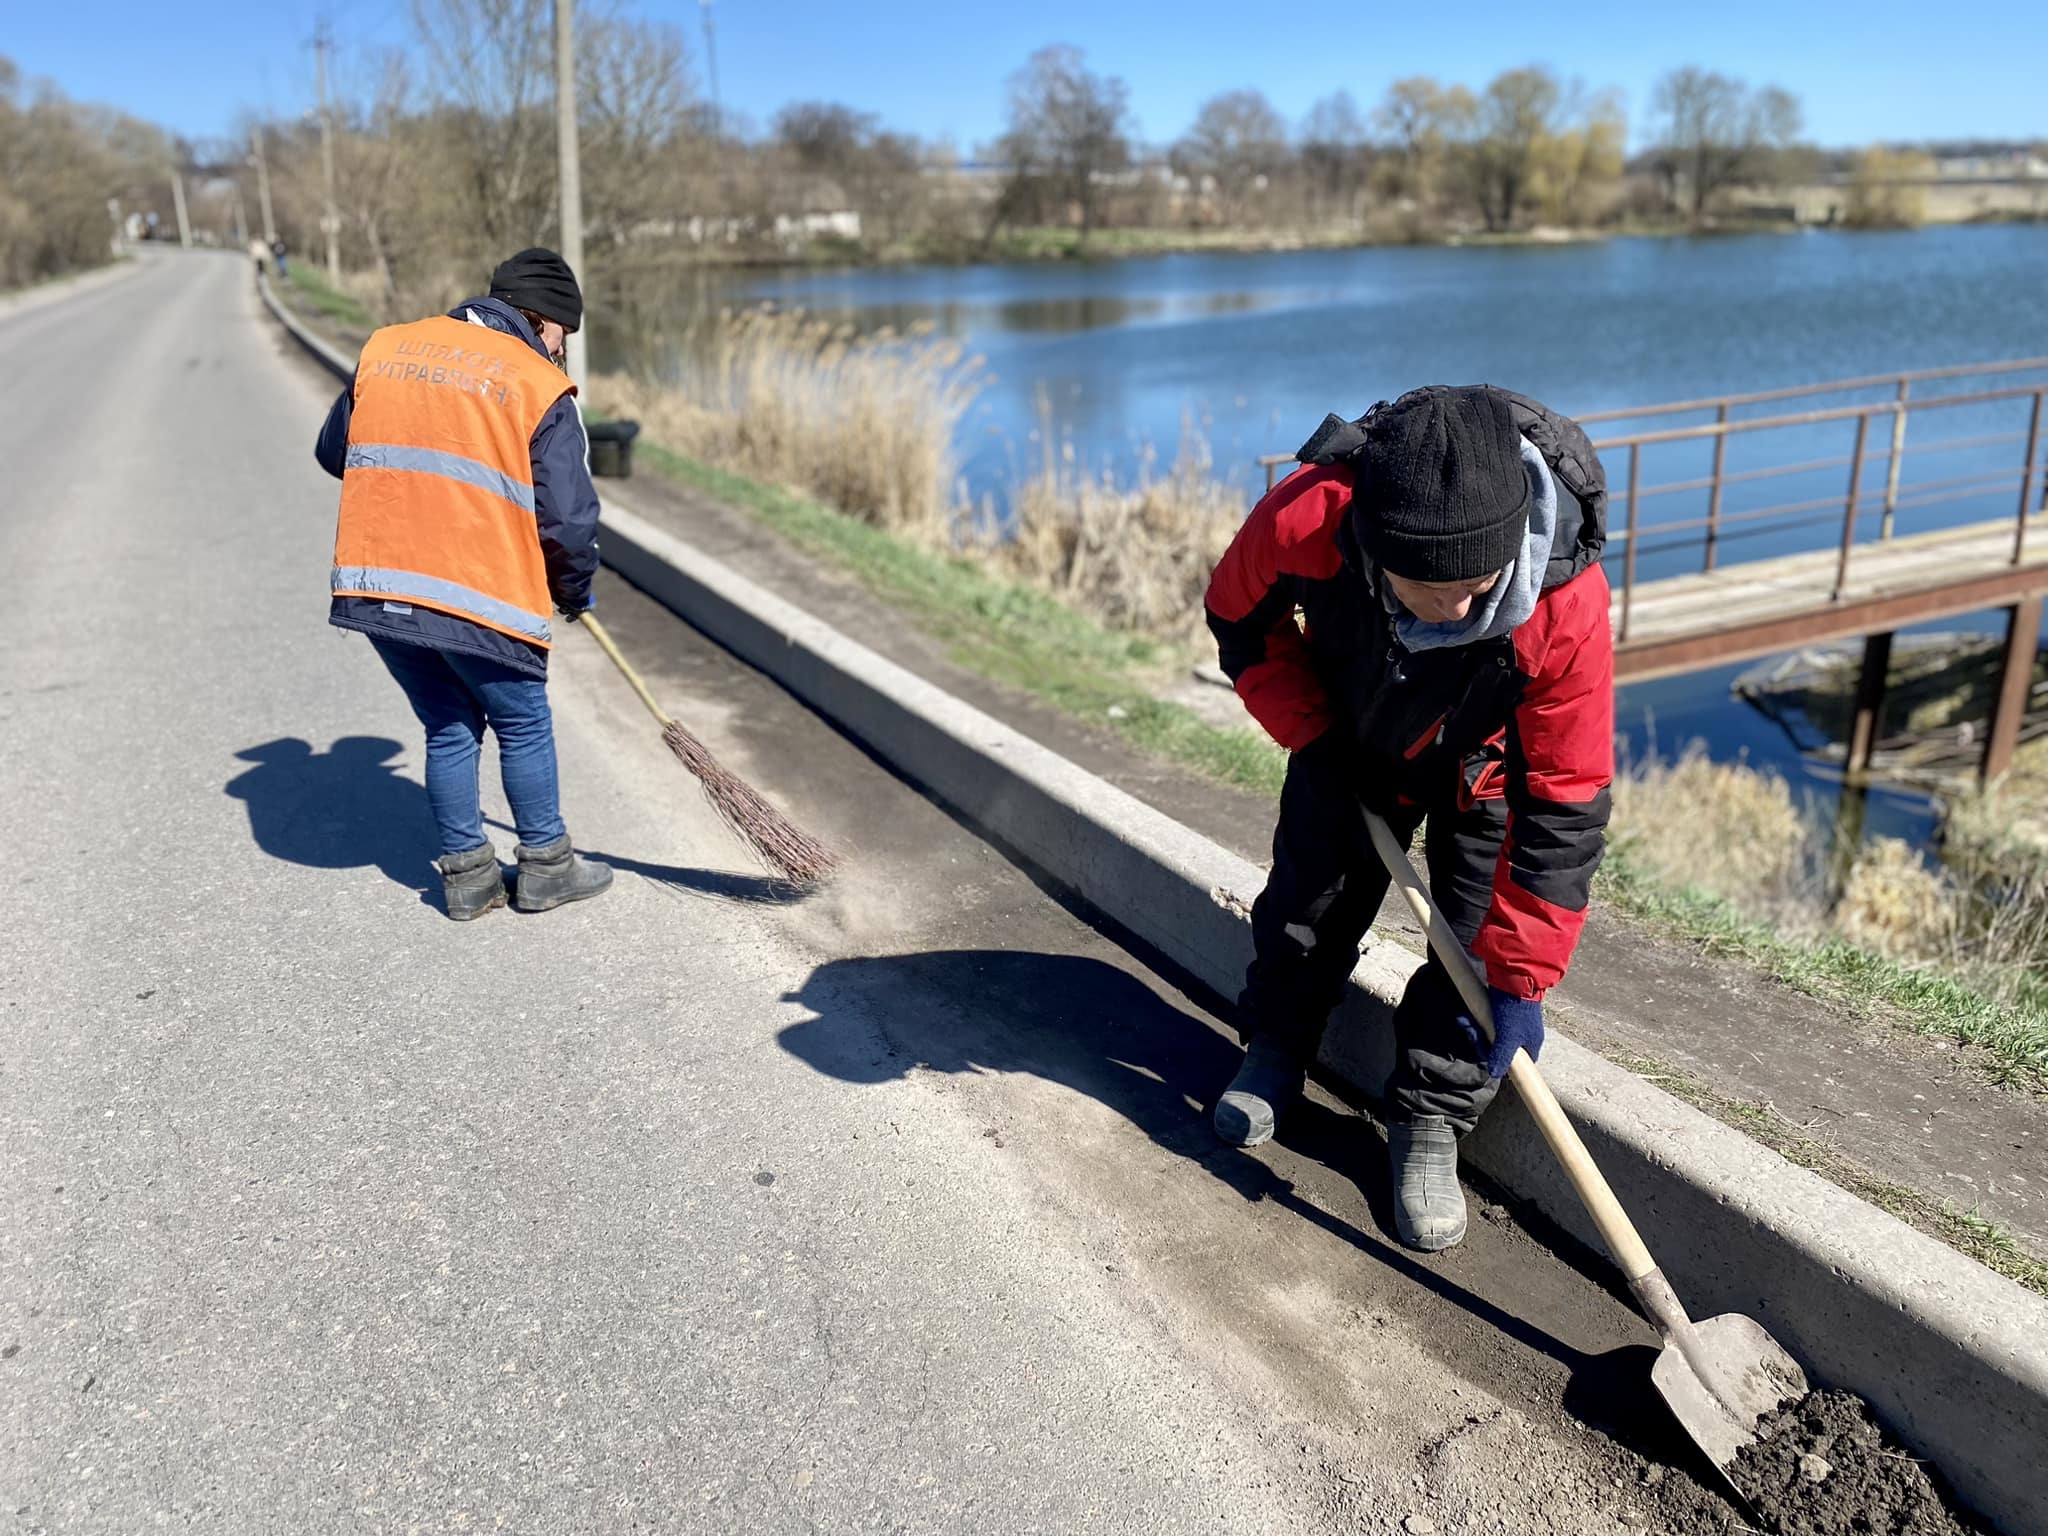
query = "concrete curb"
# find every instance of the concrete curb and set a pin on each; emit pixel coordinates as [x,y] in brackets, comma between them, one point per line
[337,362]
[1953,1357]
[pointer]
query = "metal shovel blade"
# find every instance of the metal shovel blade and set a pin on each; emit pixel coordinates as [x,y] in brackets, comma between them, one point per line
[1723,1379]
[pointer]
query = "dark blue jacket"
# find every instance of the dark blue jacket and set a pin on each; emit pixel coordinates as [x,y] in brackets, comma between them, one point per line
[565,511]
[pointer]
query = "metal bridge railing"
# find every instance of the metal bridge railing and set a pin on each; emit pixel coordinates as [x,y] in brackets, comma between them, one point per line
[1731,421]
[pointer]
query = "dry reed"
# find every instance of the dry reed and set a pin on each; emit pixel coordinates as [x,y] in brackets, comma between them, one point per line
[867,424]
[1979,914]
[864,423]
[1723,828]
[1135,558]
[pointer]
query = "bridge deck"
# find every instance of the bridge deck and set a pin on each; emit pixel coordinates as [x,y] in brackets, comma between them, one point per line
[1752,609]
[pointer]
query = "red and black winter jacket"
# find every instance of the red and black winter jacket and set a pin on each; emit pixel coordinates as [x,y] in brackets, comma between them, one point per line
[1528,717]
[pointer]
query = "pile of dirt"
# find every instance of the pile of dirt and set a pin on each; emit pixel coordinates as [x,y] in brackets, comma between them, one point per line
[1821,1467]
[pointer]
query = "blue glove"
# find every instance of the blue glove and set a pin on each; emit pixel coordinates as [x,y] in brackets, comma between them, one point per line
[1517,1023]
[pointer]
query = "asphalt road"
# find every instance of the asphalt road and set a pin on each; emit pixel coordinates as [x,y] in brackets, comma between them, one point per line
[688,1209]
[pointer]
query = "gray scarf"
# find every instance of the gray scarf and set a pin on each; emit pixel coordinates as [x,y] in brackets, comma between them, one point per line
[1512,598]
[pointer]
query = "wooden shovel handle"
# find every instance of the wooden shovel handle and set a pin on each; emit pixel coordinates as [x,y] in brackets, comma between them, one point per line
[1616,1229]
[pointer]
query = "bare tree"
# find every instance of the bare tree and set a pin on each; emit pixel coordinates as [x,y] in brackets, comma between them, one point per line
[1068,128]
[1238,144]
[1586,151]
[877,172]
[373,180]
[1516,118]
[1714,130]
[59,163]
[491,60]
[1411,117]
[1888,189]
[1333,150]
[825,136]
[634,99]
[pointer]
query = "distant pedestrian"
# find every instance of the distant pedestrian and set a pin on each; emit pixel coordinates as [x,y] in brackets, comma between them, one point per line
[277,253]
[1451,665]
[466,508]
[259,253]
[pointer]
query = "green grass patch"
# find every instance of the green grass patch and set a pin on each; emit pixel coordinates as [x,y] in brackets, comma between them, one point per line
[327,301]
[1001,630]
[1968,1231]
[2014,1040]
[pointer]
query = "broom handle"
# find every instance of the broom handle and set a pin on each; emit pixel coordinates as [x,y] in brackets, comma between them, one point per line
[604,640]
[1619,1233]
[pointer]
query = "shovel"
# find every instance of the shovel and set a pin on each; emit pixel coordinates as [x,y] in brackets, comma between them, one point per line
[1719,1375]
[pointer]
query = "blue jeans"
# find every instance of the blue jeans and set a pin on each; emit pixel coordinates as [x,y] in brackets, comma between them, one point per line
[455,697]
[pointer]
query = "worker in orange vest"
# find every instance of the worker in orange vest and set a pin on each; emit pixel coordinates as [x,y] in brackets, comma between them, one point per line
[467,512]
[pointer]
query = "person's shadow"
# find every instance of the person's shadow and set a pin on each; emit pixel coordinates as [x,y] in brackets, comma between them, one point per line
[1098,1030]
[349,807]
[340,809]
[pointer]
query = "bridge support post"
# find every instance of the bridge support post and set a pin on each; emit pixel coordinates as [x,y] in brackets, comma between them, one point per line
[2015,683]
[1870,691]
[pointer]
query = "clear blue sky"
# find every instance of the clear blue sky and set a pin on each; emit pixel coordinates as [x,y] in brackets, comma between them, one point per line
[1866,69]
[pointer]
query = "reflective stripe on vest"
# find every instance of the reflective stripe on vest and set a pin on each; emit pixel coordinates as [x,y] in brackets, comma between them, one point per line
[432,592]
[436,461]
[437,494]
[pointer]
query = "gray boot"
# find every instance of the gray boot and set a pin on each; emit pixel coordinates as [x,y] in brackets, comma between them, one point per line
[1265,1087]
[1429,1204]
[556,873]
[472,883]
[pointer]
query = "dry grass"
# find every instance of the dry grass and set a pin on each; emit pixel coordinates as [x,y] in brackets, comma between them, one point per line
[1979,916]
[1135,558]
[1722,828]
[865,423]
[1893,904]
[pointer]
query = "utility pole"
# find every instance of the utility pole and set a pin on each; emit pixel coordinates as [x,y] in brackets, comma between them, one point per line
[570,173]
[330,221]
[178,200]
[241,220]
[262,185]
[711,66]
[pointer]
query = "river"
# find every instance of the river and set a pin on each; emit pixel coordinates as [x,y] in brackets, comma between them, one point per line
[1116,357]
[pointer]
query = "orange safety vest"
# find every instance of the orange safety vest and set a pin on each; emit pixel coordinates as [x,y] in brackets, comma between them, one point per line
[437,489]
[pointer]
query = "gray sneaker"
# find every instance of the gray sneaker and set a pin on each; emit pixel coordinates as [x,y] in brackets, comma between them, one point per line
[1265,1087]
[1429,1204]
[556,874]
[472,883]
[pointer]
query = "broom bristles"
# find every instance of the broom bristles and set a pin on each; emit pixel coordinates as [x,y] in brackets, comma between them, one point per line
[780,842]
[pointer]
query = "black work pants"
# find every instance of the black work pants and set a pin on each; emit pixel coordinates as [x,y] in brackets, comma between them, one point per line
[1325,889]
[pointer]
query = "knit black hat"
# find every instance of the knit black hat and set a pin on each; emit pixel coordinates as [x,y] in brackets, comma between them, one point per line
[1440,492]
[539,280]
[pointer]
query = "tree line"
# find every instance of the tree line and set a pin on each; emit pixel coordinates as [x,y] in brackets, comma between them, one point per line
[444,154]
[447,154]
[60,163]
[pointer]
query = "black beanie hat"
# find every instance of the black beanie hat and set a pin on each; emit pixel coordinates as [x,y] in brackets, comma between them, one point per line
[1440,492]
[539,280]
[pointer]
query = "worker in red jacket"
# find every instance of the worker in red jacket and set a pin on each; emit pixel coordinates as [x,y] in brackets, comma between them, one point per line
[1420,618]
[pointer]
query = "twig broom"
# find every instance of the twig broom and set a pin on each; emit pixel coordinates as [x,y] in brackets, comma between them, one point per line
[780,843]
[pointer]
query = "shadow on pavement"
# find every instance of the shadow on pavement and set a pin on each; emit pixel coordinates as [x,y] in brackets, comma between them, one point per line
[349,807]
[1096,1029]
[725,885]
[343,808]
